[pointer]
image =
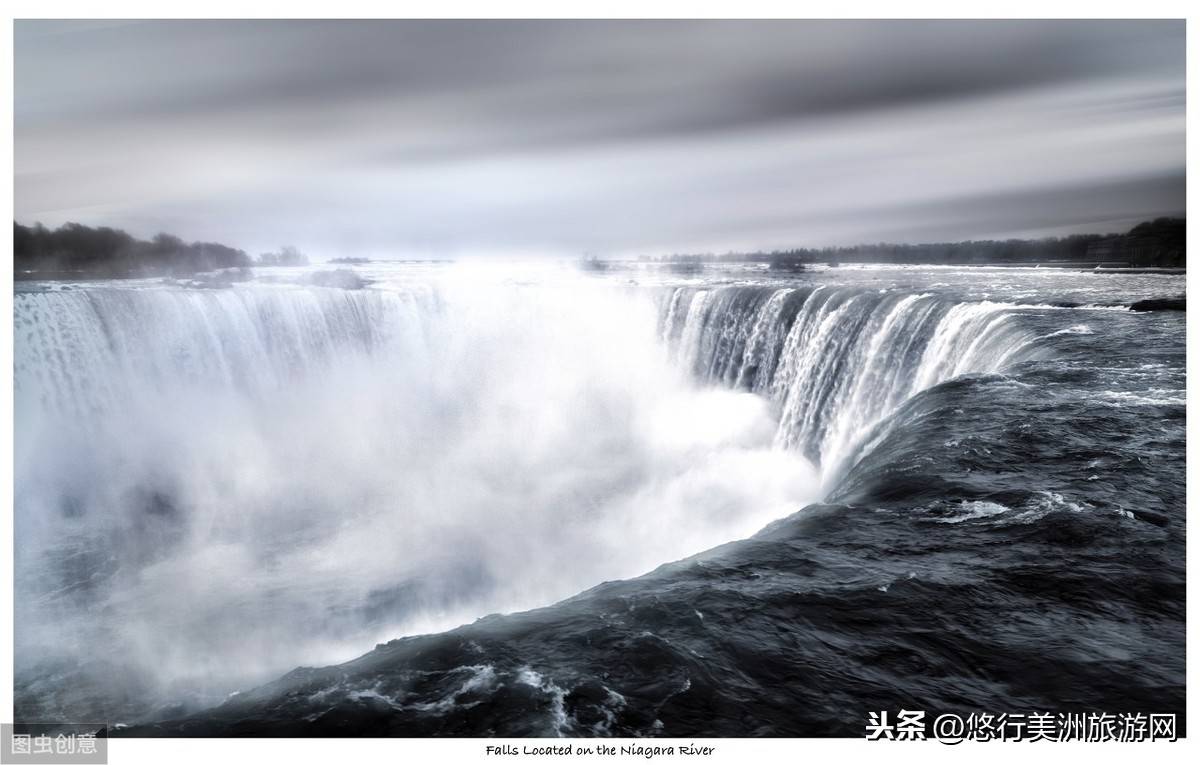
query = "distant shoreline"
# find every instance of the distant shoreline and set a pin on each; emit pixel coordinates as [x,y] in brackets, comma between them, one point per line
[85,276]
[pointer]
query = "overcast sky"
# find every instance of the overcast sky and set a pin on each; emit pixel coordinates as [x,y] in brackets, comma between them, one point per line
[456,138]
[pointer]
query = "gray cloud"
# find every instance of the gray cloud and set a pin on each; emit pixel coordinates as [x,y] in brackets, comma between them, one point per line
[456,137]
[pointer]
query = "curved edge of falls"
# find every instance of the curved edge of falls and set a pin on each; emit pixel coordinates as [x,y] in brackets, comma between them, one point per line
[835,362]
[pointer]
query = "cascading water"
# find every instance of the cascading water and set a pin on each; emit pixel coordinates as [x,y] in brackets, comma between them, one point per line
[833,361]
[227,483]
[215,486]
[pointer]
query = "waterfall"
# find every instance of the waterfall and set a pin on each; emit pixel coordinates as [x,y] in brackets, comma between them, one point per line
[86,351]
[834,361]
[216,486]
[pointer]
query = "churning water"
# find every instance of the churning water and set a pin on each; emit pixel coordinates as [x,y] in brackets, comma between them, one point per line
[971,483]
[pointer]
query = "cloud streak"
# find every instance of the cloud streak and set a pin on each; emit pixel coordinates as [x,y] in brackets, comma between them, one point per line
[450,138]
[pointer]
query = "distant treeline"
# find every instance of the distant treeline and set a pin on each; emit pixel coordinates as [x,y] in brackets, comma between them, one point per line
[74,251]
[1157,243]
